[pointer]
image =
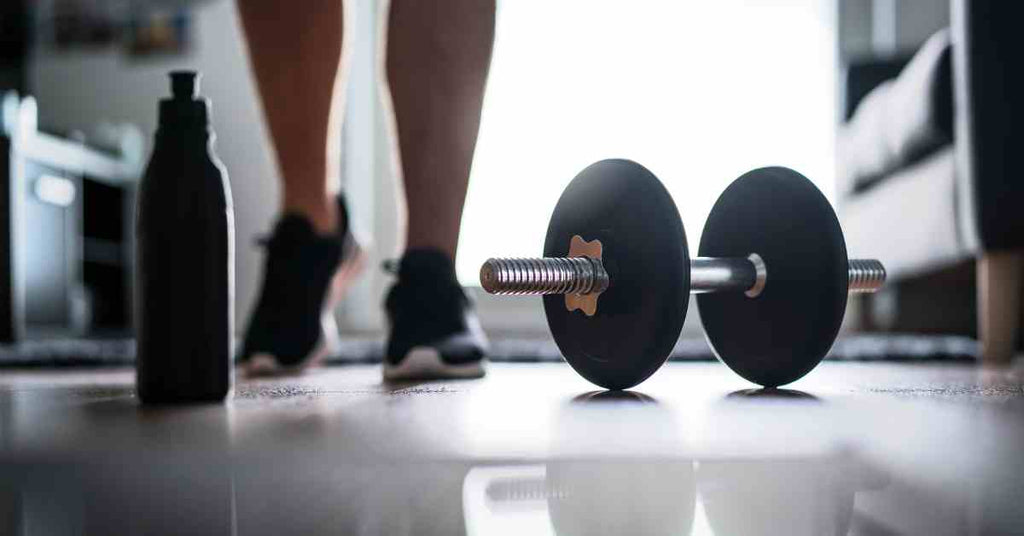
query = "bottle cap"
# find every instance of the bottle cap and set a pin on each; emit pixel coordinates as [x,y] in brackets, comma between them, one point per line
[185,85]
[185,108]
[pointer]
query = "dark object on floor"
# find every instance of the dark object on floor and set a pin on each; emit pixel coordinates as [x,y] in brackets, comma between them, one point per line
[784,332]
[185,258]
[944,198]
[434,331]
[875,347]
[69,353]
[290,326]
[616,298]
[364,350]
[638,320]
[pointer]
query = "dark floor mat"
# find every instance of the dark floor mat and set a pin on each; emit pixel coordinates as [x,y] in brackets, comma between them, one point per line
[865,347]
[873,347]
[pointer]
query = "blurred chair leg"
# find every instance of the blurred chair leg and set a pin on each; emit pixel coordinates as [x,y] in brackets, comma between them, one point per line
[1000,277]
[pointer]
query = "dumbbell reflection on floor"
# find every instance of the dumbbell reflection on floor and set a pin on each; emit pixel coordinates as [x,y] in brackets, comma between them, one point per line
[772,275]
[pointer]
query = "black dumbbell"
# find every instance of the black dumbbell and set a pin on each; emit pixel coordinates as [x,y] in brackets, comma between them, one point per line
[772,276]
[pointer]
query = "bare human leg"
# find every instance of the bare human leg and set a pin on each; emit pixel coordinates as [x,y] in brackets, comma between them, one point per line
[438,56]
[296,54]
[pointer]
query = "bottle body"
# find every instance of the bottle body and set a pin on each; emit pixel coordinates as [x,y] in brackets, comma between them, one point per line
[185,271]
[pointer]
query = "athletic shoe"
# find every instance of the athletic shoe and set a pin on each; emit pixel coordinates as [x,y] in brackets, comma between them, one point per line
[435,334]
[305,273]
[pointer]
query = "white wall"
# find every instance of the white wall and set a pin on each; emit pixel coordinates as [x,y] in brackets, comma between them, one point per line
[368,178]
[77,90]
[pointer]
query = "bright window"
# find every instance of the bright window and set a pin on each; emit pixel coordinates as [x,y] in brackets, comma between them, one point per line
[697,91]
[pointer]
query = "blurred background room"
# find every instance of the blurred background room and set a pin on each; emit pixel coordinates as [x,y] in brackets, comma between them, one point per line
[888,106]
[905,115]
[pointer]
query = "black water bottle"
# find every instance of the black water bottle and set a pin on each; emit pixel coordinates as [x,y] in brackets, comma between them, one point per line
[185,253]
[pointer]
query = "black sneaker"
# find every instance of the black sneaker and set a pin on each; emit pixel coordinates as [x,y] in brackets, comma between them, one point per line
[435,333]
[293,326]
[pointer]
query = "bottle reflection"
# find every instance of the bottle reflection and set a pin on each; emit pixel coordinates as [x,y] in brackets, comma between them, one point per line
[150,483]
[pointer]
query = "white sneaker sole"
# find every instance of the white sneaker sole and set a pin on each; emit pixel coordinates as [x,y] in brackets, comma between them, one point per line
[425,363]
[264,364]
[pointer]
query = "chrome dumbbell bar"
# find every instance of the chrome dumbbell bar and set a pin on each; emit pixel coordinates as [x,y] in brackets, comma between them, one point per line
[586,275]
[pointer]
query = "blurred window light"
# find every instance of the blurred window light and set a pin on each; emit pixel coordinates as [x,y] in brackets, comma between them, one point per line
[698,92]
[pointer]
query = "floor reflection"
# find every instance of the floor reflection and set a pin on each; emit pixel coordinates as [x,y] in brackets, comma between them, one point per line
[627,397]
[785,496]
[708,496]
[182,492]
[690,460]
[581,497]
[643,483]
[773,393]
[670,495]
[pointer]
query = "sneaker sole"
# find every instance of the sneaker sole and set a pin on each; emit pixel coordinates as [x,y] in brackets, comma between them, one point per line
[264,364]
[425,363]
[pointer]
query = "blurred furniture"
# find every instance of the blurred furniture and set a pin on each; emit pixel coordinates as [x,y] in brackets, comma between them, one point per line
[931,173]
[65,233]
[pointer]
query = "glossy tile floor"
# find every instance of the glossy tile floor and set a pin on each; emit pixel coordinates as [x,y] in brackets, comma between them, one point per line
[531,449]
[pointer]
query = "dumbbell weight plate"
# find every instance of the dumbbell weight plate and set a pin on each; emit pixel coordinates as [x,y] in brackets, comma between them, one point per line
[783,333]
[639,317]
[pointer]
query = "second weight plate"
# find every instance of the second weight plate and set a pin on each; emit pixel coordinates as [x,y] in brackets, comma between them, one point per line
[783,333]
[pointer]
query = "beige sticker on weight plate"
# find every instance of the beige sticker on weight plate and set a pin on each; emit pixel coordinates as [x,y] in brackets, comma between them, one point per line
[578,247]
